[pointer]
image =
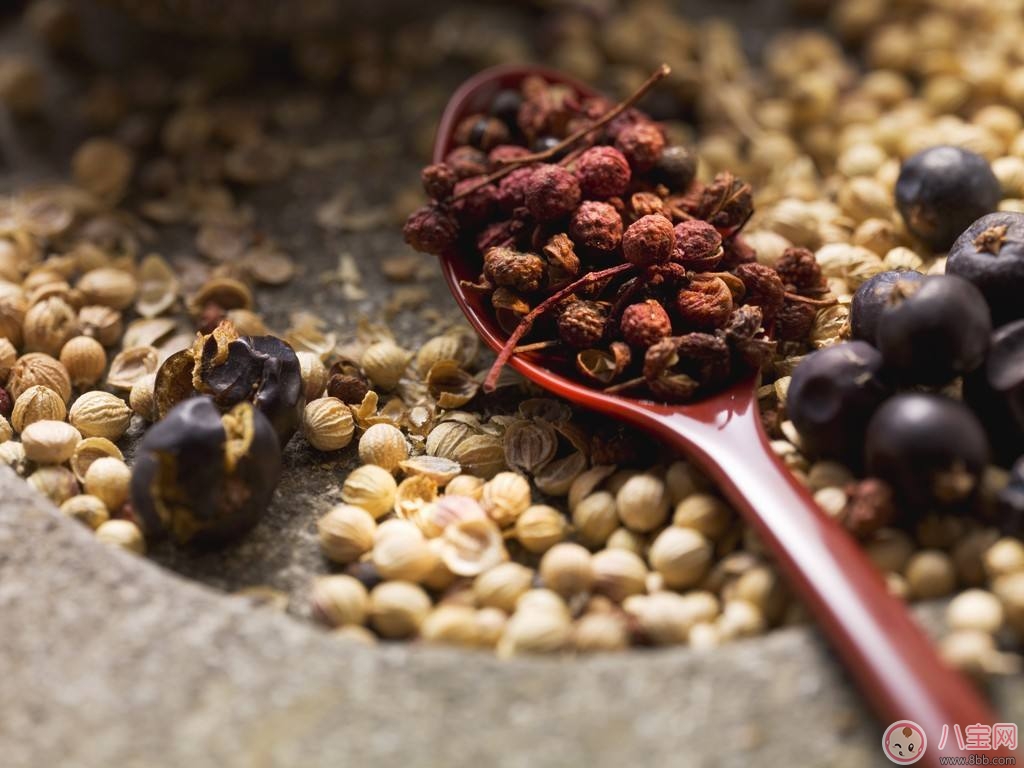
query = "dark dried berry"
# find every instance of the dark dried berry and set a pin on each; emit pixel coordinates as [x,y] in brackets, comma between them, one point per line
[798,268]
[930,449]
[552,192]
[705,304]
[704,357]
[482,132]
[698,245]
[581,324]
[603,172]
[438,181]
[648,240]
[1010,502]
[941,190]
[466,162]
[505,105]
[764,288]
[995,391]
[871,300]
[596,225]
[6,403]
[202,477]
[676,168]
[645,323]
[523,272]
[990,254]
[831,396]
[478,201]
[347,387]
[431,230]
[642,144]
[934,330]
[794,321]
[1005,368]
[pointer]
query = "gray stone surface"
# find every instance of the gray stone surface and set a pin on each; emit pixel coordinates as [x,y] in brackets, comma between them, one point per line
[108,660]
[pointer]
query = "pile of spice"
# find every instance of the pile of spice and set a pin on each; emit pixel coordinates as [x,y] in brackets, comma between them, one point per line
[509,521]
[582,215]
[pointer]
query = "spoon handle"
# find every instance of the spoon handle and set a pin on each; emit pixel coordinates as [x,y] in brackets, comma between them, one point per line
[886,652]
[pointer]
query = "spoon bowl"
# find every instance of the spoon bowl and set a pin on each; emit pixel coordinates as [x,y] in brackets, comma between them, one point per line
[884,650]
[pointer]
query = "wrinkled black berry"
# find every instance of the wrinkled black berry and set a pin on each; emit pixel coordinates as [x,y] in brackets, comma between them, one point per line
[930,449]
[505,106]
[1010,502]
[872,298]
[833,393]
[990,254]
[261,369]
[202,477]
[941,190]
[934,329]
[996,392]
[676,168]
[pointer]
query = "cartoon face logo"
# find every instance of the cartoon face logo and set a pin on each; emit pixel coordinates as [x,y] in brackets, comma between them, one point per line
[904,742]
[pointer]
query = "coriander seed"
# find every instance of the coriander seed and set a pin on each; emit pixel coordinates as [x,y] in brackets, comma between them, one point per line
[327,424]
[398,608]
[37,403]
[100,414]
[346,532]
[371,487]
[681,555]
[108,479]
[123,534]
[50,442]
[85,360]
[86,509]
[539,528]
[339,601]
[642,503]
[384,446]
[502,585]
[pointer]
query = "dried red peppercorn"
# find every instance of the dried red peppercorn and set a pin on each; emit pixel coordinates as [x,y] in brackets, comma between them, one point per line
[602,172]
[764,288]
[641,144]
[648,240]
[698,245]
[596,225]
[552,192]
[431,230]
[645,324]
[798,268]
[581,324]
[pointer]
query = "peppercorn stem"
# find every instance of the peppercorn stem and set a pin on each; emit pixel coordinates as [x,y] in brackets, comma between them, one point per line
[813,302]
[509,348]
[510,165]
[537,346]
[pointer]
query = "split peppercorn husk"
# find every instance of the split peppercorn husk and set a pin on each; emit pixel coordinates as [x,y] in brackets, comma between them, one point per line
[202,477]
[625,269]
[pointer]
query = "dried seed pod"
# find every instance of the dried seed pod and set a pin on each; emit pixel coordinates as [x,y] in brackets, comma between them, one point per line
[108,287]
[100,414]
[86,509]
[540,527]
[450,385]
[556,477]
[189,467]
[313,375]
[451,624]
[37,403]
[142,398]
[704,513]
[642,502]
[371,487]
[448,346]
[101,323]
[505,497]
[90,449]
[108,479]
[56,483]
[440,470]
[384,446]
[975,609]
[346,532]
[535,631]
[618,573]
[529,445]
[339,601]
[37,368]
[404,556]
[384,363]
[327,424]
[433,518]
[472,547]
[595,518]
[681,555]
[566,569]
[413,495]
[930,574]
[130,365]
[502,585]
[84,359]
[398,608]
[123,534]
[157,286]
[50,442]
[480,455]
[48,324]
[466,485]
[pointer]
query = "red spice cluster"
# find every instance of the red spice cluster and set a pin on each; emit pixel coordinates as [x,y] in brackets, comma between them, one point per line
[594,235]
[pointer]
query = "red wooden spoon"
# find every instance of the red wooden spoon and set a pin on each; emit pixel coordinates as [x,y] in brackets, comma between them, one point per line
[888,655]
